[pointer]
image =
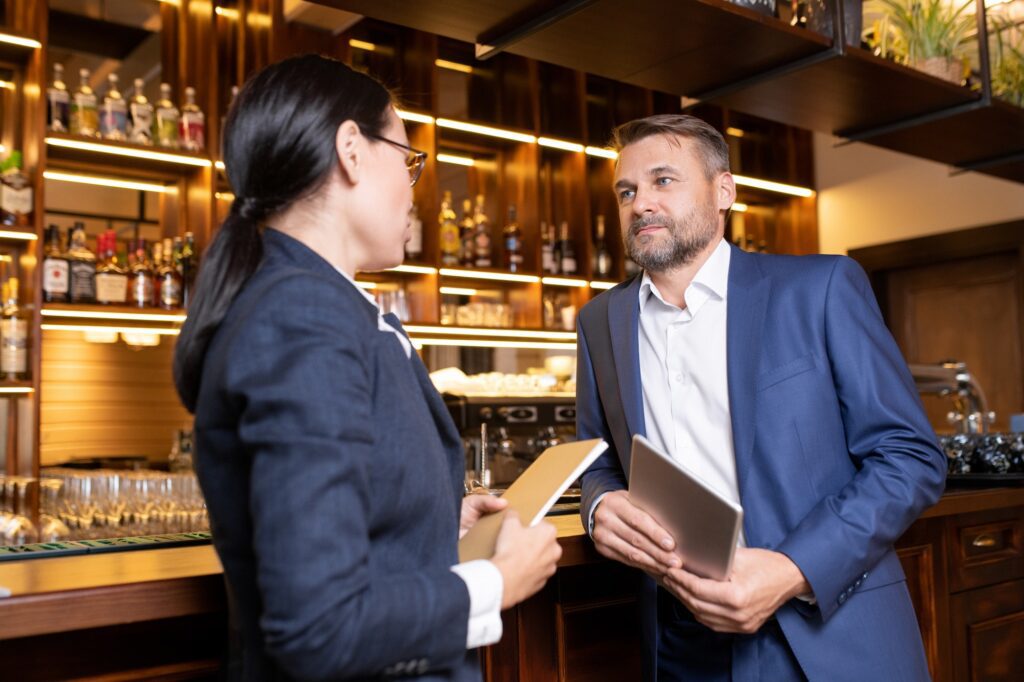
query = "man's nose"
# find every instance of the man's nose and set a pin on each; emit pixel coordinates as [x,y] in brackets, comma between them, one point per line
[644,202]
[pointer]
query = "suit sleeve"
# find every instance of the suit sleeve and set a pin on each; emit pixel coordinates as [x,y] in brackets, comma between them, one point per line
[901,469]
[307,427]
[604,475]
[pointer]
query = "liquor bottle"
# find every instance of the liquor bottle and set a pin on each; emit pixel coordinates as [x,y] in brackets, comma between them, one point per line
[192,128]
[15,193]
[189,268]
[566,252]
[547,249]
[169,279]
[13,335]
[85,118]
[114,112]
[58,103]
[602,256]
[467,228]
[483,248]
[414,247]
[56,277]
[83,267]
[140,116]
[165,123]
[450,243]
[140,278]
[111,274]
[513,238]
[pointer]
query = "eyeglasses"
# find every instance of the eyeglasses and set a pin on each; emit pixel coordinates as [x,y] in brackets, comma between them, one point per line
[414,158]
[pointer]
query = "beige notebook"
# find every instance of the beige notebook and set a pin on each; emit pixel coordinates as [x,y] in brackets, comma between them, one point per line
[533,493]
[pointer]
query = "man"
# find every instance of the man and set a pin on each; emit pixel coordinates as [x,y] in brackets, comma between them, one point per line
[775,380]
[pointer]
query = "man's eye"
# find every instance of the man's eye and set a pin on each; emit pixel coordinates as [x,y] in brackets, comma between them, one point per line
[663,181]
[627,194]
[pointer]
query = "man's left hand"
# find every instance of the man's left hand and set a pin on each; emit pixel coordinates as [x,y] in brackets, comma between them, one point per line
[476,505]
[761,581]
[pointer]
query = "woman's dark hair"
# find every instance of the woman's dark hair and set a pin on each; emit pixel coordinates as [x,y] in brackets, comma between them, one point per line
[279,146]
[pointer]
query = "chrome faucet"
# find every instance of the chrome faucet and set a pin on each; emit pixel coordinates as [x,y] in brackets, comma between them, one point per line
[952,378]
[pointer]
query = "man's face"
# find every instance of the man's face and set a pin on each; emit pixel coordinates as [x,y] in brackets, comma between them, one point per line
[668,209]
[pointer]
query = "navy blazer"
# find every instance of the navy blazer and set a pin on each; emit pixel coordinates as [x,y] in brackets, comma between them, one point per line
[834,455]
[333,475]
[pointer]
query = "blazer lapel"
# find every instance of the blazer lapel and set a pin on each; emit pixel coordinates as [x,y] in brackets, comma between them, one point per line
[623,329]
[748,294]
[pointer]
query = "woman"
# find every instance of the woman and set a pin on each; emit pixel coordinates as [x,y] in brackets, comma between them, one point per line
[331,469]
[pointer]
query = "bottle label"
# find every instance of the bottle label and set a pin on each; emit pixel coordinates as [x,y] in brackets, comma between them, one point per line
[170,292]
[114,121]
[140,129]
[16,201]
[142,290]
[55,276]
[58,114]
[569,266]
[83,282]
[14,345]
[450,241]
[547,258]
[85,119]
[192,132]
[166,128]
[111,287]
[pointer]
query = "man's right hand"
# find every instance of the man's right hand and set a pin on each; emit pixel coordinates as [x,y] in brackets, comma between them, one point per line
[629,535]
[526,558]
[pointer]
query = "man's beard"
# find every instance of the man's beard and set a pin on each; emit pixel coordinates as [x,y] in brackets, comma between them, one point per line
[685,241]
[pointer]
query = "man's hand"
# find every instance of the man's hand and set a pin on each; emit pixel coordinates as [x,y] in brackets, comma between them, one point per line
[476,505]
[761,581]
[629,535]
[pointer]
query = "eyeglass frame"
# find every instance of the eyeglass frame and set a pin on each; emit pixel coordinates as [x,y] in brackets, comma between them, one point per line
[418,160]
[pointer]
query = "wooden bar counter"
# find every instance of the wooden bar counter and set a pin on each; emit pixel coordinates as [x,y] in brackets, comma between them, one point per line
[161,613]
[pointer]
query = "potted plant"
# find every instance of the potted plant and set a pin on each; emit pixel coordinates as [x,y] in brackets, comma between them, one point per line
[1007,53]
[929,35]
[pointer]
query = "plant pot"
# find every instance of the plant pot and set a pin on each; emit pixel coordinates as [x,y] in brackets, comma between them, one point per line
[947,68]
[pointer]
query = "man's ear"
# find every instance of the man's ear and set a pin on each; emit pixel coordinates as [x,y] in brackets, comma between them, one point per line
[725,191]
[349,147]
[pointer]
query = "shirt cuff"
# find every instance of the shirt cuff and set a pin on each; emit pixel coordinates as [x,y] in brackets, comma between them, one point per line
[590,516]
[485,585]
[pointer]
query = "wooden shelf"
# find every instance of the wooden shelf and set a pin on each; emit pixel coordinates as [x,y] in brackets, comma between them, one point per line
[12,52]
[123,155]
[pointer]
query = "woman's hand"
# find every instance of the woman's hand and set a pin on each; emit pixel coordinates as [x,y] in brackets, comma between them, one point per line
[476,505]
[526,558]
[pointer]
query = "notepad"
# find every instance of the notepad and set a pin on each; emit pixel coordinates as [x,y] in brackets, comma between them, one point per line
[533,494]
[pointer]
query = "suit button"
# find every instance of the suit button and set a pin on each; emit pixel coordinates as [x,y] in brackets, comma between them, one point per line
[865,576]
[842,598]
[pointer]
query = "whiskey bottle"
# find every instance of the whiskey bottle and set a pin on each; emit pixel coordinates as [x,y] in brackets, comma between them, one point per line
[114,113]
[414,247]
[547,249]
[165,123]
[467,229]
[513,238]
[56,278]
[566,252]
[58,103]
[13,335]
[169,280]
[193,124]
[449,232]
[111,274]
[85,119]
[483,247]
[140,116]
[602,265]
[82,266]
[15,193]
[140,278]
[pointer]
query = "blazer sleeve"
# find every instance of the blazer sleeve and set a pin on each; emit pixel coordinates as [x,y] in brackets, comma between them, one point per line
[306,425]
[605,474]
[900,468]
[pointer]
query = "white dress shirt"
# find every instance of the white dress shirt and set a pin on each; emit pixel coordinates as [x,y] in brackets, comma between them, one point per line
[483,579]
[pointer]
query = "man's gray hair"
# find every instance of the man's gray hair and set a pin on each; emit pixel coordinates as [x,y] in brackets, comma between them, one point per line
[711,146]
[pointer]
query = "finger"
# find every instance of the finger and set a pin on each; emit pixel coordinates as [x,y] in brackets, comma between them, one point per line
[712,591]
[616,527]
[634,556]
[487,503]
[640,520]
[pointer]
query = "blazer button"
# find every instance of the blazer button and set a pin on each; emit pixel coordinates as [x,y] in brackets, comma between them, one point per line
[865,576]
[842,598]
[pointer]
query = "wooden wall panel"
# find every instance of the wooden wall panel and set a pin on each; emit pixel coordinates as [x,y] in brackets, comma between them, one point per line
[106,399]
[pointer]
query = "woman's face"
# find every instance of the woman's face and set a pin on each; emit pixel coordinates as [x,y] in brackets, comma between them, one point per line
[384,227]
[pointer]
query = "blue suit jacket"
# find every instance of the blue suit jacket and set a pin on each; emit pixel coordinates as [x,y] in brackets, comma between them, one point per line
[333,475]
[834,455]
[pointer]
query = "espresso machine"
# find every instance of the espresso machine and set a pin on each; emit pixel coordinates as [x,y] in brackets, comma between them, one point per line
[503,435]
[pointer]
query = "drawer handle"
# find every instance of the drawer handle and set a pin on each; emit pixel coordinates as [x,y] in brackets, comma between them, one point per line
[984,541]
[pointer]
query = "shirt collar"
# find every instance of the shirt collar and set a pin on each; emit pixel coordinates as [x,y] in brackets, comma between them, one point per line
[712,279]
[362,291]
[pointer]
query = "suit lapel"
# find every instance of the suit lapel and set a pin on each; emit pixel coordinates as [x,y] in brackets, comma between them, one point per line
[749,290]
[623,329]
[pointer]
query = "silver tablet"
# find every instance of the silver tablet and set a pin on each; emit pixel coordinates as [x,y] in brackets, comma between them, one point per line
[704,524]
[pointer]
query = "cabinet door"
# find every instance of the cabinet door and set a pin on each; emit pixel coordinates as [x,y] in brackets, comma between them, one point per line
[922,551]
[988,632]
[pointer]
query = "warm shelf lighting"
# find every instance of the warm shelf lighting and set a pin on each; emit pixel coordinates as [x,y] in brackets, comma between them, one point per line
[560,144]
[771,186]
[362,45]
[168,157]
[414,117]
[8,85]
[219,165]
[499,333]
[162,331]
[224,196]
[498,276]
[735,132]
[16,390]
[12,234]
[18,40]
[597,284]
[603,152]
[258,20]
[486,130]
[109,182]
[740,207]
[227,13]
[457,160]
[110,315]
[366,285]
[487,343]
[458,291]
[564,282]
[414,269]
[453,66]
